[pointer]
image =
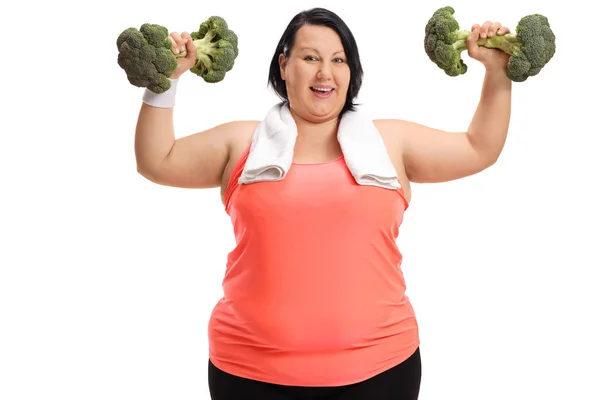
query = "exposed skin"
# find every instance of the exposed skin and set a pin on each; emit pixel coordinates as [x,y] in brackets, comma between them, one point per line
[419,153]
[317,59]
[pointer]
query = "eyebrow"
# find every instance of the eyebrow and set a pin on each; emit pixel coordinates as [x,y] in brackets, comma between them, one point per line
[316,51]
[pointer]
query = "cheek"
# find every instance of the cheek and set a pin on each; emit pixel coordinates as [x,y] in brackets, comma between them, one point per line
[296,77]
[343,76]
[343,80]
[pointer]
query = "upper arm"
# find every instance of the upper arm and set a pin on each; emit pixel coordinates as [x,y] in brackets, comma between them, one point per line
[199,160]
[432,155]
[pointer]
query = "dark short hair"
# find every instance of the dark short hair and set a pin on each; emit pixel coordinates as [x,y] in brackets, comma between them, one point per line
[320,17]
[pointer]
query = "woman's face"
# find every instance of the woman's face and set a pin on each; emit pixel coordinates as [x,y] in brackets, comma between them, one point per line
[316,73]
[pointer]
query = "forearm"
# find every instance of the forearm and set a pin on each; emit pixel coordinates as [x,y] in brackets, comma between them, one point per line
[154,137]
[489,128]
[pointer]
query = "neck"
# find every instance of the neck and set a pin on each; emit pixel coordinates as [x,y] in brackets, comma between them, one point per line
[316,141]
[316,132]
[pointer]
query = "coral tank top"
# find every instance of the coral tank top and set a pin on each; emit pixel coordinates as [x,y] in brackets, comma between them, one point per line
[313,290]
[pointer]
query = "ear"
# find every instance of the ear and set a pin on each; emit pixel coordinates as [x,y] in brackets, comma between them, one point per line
[282,65]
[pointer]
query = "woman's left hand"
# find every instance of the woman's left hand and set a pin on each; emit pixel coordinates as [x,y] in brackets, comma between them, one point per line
[492,59]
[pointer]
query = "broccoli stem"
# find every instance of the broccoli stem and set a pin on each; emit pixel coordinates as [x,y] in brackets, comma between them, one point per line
[204,48]
[508,43]
[461,40]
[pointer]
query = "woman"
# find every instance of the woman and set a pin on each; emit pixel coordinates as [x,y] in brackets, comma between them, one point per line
[315,303]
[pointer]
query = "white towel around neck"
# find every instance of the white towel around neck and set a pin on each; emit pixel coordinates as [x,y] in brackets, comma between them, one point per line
[272,149]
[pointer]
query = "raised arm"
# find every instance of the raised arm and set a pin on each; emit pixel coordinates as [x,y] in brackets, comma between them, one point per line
[195,161]
[432,155]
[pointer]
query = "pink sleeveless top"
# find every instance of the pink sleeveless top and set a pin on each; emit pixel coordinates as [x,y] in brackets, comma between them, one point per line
[313,290]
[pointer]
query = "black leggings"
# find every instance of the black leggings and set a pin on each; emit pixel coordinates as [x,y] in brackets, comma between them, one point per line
[401,382]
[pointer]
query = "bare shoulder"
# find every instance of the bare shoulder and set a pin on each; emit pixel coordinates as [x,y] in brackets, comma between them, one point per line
[240,137]
[234,132]
[200,160]
[391,133]
[430,155]
[396,130]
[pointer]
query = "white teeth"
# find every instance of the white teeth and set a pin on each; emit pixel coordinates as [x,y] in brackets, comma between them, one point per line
[323,89]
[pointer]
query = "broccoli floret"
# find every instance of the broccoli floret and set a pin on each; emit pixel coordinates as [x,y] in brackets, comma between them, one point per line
[148,61]
[146,57]
[217,49]
[530,48]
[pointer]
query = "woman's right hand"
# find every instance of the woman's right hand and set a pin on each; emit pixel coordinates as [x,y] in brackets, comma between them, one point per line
[183,42]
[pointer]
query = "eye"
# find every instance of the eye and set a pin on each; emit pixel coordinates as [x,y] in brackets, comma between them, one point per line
[310,58]
[339,60]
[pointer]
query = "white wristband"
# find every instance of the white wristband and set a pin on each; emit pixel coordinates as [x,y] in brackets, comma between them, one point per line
[161,100]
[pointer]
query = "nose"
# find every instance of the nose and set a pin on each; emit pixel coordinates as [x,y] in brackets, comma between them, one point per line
[324,72]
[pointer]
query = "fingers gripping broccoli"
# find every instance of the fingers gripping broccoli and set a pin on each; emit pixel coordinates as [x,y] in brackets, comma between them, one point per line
[530,48]
[148,61]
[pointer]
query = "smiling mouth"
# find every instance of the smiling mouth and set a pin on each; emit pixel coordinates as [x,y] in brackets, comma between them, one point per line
[321,90]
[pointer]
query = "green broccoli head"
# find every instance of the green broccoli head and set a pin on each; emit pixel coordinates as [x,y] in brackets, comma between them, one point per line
[530,49]
[148,60]
[146,57]
[444,41]
[536,47]
[216,49]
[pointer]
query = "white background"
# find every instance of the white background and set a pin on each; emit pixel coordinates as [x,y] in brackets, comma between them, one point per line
[107,281]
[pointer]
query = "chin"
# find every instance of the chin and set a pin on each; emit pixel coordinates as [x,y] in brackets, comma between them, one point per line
[326,109]
[315,112]
[323,114]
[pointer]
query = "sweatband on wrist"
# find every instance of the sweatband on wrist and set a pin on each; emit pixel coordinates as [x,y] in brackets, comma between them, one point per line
[165,99]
